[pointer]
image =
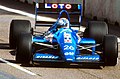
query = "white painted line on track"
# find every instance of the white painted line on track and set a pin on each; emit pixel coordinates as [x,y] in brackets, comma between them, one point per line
[17,67]
[26,14]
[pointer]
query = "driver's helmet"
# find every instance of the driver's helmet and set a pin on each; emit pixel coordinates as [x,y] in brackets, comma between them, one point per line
[63,23]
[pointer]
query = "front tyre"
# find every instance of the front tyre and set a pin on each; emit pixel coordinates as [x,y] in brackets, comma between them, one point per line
[24,48]
[110,50]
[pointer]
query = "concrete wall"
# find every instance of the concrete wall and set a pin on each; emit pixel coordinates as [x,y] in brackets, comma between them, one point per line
[55,1]
[64,1]
[109,9]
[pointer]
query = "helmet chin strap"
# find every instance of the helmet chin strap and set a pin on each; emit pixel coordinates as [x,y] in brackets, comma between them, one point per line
[68,24]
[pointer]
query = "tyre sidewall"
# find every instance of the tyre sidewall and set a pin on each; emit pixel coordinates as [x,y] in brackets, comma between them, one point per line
[17,27]
[96,30]
[24,48]
[110,50]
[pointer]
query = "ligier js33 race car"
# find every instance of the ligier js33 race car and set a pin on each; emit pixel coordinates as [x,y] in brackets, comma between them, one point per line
[62,43]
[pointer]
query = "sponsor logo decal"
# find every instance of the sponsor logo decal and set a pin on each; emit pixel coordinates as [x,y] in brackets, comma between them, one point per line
[69,53]
[45,57]
[67,38]
[60,6]
[88,58]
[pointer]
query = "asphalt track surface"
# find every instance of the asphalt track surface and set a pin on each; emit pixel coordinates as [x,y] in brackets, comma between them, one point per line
[9,69]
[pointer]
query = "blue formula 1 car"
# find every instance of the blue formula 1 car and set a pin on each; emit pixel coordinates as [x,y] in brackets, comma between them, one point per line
[62,43]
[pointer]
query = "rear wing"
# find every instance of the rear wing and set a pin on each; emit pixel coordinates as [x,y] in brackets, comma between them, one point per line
[74,11]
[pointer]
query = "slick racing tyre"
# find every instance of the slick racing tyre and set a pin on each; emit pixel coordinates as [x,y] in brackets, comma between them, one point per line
[96,30]
[110,50]
[16,27]
[24,48]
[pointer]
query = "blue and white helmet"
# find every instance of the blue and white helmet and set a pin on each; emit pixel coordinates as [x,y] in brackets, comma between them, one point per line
[63,22]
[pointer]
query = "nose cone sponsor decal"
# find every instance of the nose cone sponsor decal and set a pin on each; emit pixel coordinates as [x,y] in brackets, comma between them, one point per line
[67,38]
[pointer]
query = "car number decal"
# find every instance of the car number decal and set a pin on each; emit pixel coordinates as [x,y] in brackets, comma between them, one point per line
[67,47]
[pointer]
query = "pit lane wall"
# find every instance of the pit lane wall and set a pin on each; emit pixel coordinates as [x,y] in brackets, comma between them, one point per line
[103,9]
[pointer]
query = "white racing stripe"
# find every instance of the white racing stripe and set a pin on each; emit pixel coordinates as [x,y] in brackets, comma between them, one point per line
[26,14]
[17,66]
